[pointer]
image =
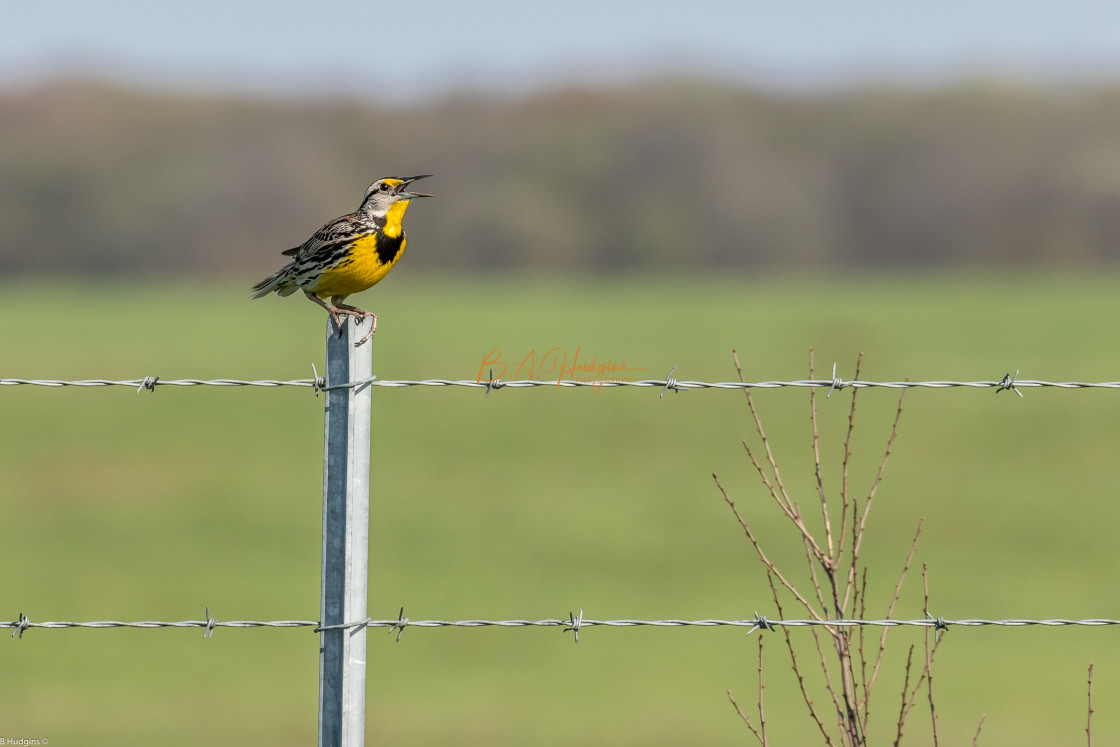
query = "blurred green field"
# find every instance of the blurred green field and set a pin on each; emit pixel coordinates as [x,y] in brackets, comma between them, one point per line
[534,503]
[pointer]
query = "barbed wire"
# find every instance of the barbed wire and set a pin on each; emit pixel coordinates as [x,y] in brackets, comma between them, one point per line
[151,382]
[573,624]
[1010,382]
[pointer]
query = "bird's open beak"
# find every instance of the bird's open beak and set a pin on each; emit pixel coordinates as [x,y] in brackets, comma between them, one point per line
[407,180]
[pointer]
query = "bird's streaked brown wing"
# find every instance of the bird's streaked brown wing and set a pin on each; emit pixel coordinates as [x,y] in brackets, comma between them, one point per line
[338,231]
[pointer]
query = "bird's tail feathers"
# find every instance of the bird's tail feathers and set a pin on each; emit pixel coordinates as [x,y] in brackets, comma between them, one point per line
[280,282]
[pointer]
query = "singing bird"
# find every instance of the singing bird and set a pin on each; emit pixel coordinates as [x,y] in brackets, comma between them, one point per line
[350,254]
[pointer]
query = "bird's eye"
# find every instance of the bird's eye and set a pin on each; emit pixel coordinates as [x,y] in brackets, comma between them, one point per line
[384,187]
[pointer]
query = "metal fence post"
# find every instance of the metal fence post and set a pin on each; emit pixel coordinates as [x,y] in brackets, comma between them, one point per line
[342,652]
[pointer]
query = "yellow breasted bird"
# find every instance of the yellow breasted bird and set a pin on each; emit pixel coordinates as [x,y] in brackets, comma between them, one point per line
[350,254]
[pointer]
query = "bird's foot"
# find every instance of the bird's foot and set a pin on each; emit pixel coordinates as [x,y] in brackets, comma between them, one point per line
[359,316]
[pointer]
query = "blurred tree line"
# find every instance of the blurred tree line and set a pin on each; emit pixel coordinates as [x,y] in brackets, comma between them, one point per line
[674,175]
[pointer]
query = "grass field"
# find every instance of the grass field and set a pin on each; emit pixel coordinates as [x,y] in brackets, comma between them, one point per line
[534,503]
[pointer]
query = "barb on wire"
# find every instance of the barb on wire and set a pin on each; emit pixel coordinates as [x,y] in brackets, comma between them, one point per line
[939,626]
[318,383]
[210,625]
[670,383]
[575,622]
[1008,383]
[402,623]
[20,625]
[837,383]
[493,383]
[761,623]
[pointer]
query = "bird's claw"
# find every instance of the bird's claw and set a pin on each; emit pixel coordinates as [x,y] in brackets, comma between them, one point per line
[372,328]
[340,329]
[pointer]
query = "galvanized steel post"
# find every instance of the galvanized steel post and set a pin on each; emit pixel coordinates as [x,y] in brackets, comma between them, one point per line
[342,652]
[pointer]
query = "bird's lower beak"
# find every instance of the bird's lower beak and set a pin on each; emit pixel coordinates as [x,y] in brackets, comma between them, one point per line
[405,181]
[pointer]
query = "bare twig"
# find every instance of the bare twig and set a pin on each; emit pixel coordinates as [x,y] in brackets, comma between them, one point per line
[826,671]
[976,737]
[928,673]
[1089,719]
[746,719]
[904,708]
[784,501]
[761,692]
[817,469]
[860,606]
[844,495]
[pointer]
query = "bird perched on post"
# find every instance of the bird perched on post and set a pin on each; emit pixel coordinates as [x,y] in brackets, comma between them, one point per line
[350,254]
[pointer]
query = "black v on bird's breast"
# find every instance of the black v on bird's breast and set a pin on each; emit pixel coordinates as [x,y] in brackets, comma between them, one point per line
[389,247]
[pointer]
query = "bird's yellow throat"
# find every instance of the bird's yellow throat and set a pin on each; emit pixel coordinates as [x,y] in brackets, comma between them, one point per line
[393,218]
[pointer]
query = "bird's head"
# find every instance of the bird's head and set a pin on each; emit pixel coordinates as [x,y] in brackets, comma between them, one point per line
[384,192]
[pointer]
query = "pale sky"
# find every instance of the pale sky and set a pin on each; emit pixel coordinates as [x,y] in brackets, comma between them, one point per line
[416,48]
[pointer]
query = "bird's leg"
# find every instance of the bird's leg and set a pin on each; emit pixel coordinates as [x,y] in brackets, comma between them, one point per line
[354,311]
[334,312]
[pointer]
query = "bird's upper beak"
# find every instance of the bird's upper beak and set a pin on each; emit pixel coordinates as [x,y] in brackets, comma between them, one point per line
[407,180]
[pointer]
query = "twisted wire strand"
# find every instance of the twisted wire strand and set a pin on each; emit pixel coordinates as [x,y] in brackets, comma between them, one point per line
[150,383]
[573,623]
